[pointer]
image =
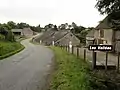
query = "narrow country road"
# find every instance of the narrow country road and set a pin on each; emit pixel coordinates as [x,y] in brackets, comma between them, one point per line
[27,70]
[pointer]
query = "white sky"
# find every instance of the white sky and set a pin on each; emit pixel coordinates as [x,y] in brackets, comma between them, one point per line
[34,12]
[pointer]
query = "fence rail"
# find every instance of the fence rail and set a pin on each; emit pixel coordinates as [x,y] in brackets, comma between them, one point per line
[97,58]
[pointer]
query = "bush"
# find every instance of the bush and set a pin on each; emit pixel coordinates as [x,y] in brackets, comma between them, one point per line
[8,47]
[2,37]
[10,36]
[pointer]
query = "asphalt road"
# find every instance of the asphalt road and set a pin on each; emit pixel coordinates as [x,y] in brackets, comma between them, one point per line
[27,70]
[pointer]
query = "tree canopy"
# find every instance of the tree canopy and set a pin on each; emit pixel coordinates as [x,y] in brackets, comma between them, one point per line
[108,6]
[5,29]
[111,8]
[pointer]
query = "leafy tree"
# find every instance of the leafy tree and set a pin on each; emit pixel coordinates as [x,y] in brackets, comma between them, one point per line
[39,25]
[66,26]
[48,26]
[74,25]
[12,24]
[10,36]
[22,25]
[62,26]
[108,6]
[112,9]
[5,26]
[77,29]
[36,29]
[70,26]
[59,27]
[55,27]
[91,28]
[3,32]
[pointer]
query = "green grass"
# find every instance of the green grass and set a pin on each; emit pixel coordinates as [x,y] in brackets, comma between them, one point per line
[9,48]
[72,73]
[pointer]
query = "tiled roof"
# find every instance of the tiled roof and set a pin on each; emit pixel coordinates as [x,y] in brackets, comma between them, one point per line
[56,36]
[46,35]
[105,24]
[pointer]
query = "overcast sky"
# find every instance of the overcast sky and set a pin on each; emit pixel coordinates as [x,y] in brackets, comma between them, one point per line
[34,12]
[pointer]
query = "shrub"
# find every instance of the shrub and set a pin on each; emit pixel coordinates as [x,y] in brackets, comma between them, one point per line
[10,36]
[2,37]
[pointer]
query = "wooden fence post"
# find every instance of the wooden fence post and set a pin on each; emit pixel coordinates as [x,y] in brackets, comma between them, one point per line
[61,46]
[77,52]
[94,60]
[84,54]
[72,49]
[118,62]
[68,49]
[106,62]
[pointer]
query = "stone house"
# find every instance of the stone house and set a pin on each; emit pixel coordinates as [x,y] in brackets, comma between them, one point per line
[27,32]
[61,37]
[105,34]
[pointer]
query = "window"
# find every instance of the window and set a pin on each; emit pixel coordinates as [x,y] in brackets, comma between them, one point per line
[101,33]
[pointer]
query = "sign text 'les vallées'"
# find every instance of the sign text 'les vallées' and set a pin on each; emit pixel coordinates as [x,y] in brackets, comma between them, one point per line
[100,47]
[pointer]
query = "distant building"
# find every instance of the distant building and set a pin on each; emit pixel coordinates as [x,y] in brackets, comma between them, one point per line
[27,32]
[106,34]
[17,31]
[61,37]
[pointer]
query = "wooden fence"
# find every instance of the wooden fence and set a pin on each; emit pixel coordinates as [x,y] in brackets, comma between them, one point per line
[98,59]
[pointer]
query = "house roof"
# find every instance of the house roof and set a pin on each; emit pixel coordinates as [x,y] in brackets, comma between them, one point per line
[45,35]
[16,30]
[105,24]
[56,36]
[27,30]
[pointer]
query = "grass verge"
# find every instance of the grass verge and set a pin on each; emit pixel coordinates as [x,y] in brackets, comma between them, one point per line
[9,48]
[71,74]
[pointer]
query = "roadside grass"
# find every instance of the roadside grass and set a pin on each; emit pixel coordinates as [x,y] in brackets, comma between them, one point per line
[20,38]
[71,73]
[9,48]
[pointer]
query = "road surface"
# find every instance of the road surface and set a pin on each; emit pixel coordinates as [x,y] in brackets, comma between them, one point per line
[27,70]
